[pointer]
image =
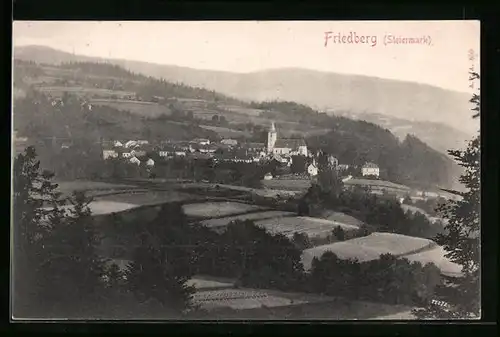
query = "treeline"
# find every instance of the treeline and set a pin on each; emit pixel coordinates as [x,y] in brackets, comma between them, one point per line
[244,174]
[146,87]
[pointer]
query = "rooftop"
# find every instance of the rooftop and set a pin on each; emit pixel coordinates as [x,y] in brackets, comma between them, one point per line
[289,143]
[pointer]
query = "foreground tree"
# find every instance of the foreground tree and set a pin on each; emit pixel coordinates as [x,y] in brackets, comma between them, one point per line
[72,273]
[162,262]
[32,190]
[462,241]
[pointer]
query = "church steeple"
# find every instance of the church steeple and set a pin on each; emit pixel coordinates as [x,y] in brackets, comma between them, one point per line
[272,136]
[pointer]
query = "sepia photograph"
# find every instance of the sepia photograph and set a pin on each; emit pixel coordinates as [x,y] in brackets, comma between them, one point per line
[245,170]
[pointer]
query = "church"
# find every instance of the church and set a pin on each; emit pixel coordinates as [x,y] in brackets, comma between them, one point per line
[287,147]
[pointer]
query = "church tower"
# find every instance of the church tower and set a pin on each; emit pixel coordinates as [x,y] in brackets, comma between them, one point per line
[272,136]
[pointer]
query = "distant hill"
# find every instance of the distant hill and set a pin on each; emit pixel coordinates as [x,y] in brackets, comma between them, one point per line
[321,90]
[438,135]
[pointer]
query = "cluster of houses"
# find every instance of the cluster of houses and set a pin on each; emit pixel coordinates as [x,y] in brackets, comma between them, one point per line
[229,150]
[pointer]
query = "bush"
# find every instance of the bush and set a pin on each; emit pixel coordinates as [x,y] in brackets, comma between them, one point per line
[388,279]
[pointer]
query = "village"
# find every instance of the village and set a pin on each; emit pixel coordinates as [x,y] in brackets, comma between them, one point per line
[282,151]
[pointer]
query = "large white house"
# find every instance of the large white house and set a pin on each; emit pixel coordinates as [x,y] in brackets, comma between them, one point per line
[312,169]
[288,147]
[370,169]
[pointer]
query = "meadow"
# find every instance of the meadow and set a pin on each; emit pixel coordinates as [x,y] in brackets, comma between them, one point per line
[377,184]
[226,132]
[370,247]
[146,197]
[82,91]
[217,209]
[218,222]
[146,109]
[312,227]
[287,184]
[437,256]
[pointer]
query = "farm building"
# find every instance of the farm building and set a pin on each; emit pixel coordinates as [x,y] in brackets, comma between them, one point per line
[134,160]
[229,141]
[312,169]
[370,169]
[106,154]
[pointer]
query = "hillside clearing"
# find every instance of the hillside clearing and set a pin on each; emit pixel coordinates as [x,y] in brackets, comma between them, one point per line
[146,109]
[217,209]
[369,247]
[312,227]
[436,255]
[251,216]
[147,197]
[226,132]
[287,184]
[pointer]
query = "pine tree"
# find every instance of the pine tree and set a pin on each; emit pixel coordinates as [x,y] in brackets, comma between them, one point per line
[462,241]
[161,265]
[31,223]
[72,273]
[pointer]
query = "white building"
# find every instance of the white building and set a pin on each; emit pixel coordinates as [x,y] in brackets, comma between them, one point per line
[134,160]
[163,153]
[268,176]
[230,142]
[131,143]
[106,154]
[202,141]
[126,155]
[312,169]
[150,162]
[118,144]
[370,169]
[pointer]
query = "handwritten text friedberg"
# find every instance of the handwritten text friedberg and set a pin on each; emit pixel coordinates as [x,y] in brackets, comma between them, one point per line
[350,38]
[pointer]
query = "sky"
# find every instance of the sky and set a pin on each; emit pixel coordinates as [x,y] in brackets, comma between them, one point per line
[443,57]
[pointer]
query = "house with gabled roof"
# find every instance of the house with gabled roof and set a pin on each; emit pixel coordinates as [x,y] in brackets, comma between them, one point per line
[370,169]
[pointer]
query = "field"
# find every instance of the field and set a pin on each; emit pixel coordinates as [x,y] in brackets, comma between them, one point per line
[341,217]
[377,184]
[414,209]
[146,109]
[209,210]
[269,305]
[210,283]
[312,227]
[287,184]
[395,244]
[241,110]
[437,256]
[225,132]
[369,247]
[92,188]
[240,299]
[59,90]
[146,197]
[87,185]
[101,207]
[251,216]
